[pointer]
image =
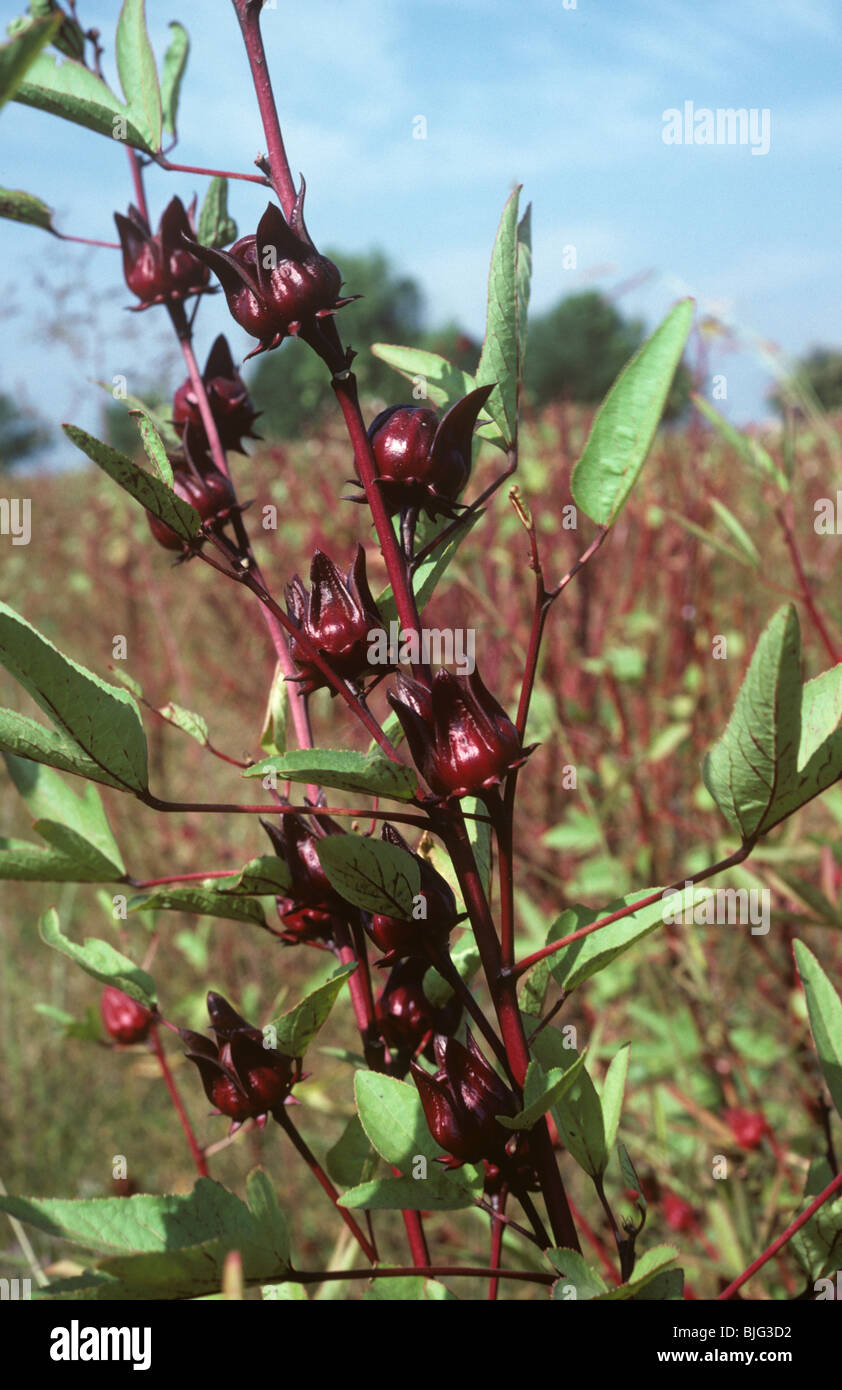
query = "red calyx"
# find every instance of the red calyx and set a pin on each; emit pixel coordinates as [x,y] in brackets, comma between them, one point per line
[124,1019]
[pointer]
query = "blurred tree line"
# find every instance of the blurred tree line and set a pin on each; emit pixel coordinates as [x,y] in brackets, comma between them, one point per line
[574,352]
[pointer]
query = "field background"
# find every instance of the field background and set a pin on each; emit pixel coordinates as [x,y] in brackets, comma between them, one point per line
[629,693]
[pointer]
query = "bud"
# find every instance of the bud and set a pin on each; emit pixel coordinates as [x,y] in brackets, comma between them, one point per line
[747,1126]
[397,938]
[423,462]
[405,1015]
[462,1101]
[241,1077]
[231,405]
[275,281]
[461,740]
[678,1214]
[313,911]
[337,616]
[212,497]
[159,268]
[124,1019]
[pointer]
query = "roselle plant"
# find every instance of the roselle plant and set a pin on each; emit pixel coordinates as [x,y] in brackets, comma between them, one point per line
[468,1092]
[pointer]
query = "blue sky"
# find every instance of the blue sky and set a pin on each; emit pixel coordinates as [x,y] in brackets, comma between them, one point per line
[569,102]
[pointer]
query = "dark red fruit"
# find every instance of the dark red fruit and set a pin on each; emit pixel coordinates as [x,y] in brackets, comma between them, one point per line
[242,1077]
[423,462]
[210,495]
[463,1100]
[337,616]
[124,1019]
[747,1126]
[461,740]
[437,912]
[160,268]
[404,1013]
[231,405]
[275,281]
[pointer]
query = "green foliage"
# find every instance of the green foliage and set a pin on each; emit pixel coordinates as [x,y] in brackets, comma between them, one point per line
[783,743]
[371,874]
[100,960]
[164,1247]
[626,422]
[371,774]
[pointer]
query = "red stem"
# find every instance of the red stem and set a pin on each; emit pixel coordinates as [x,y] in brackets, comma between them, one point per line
[528,961]
[248,14]
[210,173]
[196,1151]
[324,1181]
[834,1186]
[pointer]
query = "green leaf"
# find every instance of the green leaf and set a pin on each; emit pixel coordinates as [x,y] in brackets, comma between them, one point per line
[201,901]
[578,1282]
[261,876]
[651,1267]
[467,960]
[342,768]
[138,73]
[613,1090]
[542,1090]
[155,451]
[50,800]
[578,1115]
[72,91]
[751,451]
[100,960]
[145,488]
[216,228]
[18,55]
[738,532]
[783,743]
[629,1172]
[501,361]
[134,404]
[440,1190]
[296,1029]
[371,874]
[818,1244]
[574,964]
[392,1116]
[625,425]
[26,738]
[17,206]
[824,1008]
[170,1247]
[414,1288]
[186,720]
[273,736]
[175,61]
[27,862]
[441,382]
[102,720]
[524,280]
[352,1160]
[707,537]
[285,1292]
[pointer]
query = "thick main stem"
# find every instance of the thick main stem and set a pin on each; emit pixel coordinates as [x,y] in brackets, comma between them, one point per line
[248,14]
[504,994]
